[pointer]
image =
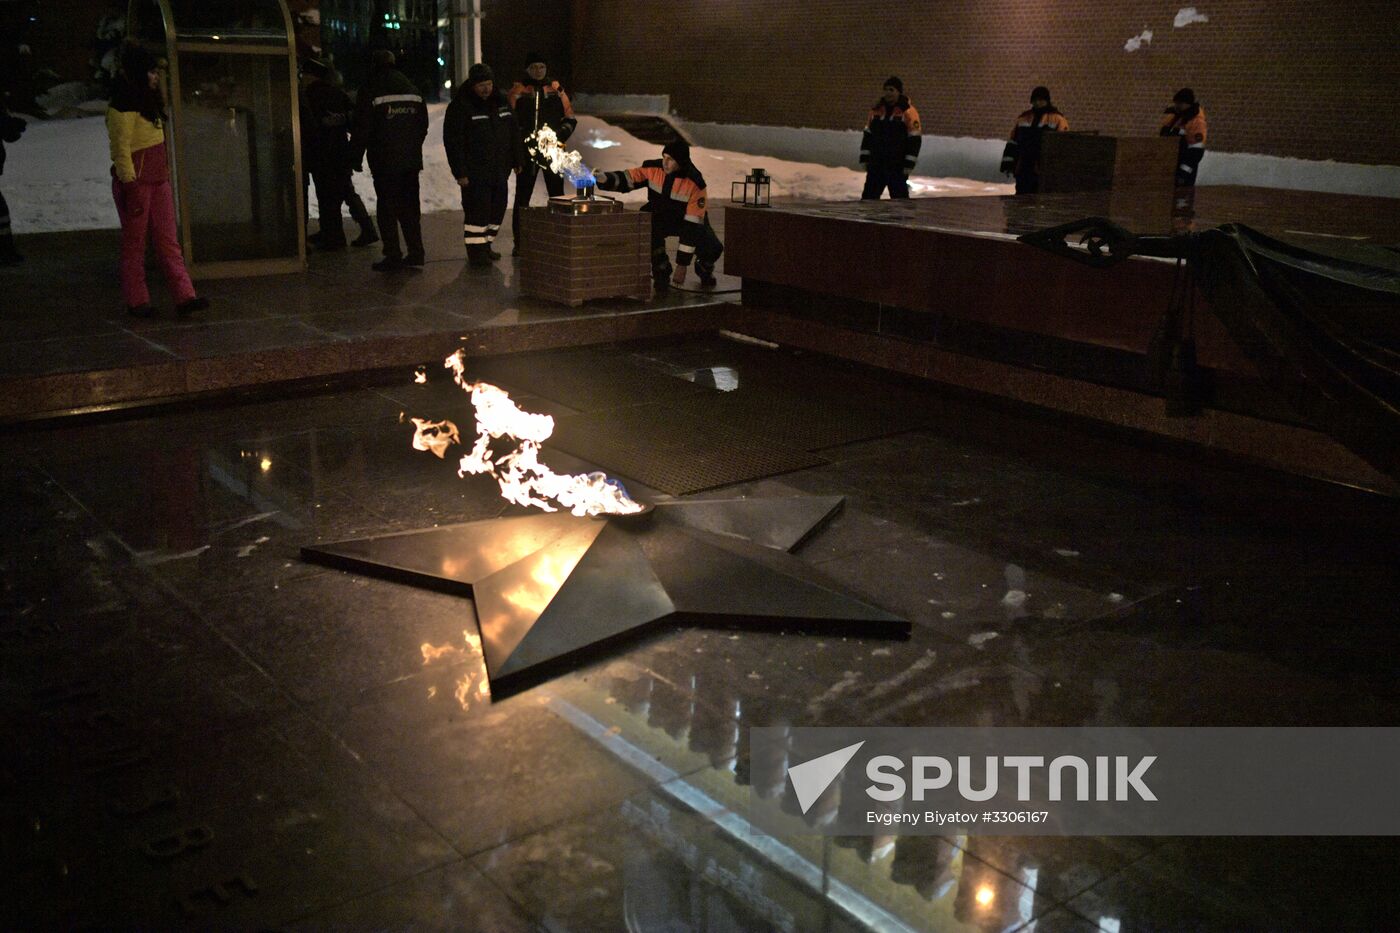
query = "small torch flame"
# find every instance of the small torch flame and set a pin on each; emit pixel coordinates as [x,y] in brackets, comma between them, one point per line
[523,479]
[544,144]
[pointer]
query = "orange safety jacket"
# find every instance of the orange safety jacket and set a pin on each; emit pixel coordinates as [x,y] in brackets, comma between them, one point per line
[1022,153]
[676,201]
[892,137]
[1190,127]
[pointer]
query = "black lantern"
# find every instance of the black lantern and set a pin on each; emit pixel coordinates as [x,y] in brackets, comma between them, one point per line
[753,191]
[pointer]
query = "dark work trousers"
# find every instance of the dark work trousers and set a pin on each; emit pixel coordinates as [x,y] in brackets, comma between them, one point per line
[334,188]
[1188,164]
[525,187]
[398,209]
[877,179]
[7,239]
[483,209]
[706,254]
[1027,183]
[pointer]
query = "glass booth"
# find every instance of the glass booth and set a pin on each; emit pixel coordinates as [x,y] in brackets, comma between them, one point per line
[231,90]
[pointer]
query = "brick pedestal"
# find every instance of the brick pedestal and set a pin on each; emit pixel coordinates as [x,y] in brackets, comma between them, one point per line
[571,258]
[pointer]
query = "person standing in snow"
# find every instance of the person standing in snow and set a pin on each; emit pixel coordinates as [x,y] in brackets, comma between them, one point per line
[11,128]
[538,101]
[326,150]
[1021,157]
[889,147]
[391,122]
[484,146]
[141,187]
[1186,119]
[676,200]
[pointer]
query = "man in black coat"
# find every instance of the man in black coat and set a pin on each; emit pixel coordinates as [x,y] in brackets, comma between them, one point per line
[326,151]
[391,122]
[484,146]
[538,101]
[10,129]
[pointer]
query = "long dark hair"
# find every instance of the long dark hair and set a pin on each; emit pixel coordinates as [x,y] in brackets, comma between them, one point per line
[134,91]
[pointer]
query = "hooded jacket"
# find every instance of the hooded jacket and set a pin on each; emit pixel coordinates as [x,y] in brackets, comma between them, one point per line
[326,128]
[481,137]
[391,122]
[676,201]
[1021,156]
[893,135]
[555,110]
[131,134]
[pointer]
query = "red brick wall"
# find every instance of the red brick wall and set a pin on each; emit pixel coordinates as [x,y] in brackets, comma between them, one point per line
[1282,77]
[511,30]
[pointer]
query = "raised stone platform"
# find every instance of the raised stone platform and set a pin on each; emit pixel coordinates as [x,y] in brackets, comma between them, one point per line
[939,288]
[67,344]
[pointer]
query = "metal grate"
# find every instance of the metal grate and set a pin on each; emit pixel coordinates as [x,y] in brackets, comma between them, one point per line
[673,451]
[585,380]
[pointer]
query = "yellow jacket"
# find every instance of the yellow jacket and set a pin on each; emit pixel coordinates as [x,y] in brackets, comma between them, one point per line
[129,133]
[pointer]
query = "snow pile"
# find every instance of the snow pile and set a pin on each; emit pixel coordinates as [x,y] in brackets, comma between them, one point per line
[1138,41]
[57,177]
[73,98]
[1188,15]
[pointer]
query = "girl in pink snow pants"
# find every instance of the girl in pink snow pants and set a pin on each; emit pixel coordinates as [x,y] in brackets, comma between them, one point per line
[141,187]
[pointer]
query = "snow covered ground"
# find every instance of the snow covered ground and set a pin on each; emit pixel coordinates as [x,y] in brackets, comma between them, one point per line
[56,177]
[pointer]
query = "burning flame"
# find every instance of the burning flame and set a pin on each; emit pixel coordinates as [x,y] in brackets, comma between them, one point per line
[545,144]
[523,479]
[436,436]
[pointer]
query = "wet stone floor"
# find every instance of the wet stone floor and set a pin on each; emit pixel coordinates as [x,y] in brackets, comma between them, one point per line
[203,731]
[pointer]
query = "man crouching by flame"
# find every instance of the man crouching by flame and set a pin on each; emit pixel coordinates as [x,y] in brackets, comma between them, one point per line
[676,200]
[483,146]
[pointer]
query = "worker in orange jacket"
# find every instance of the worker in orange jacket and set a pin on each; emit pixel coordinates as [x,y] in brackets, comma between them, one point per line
[890,145]
[1186,119]
[1021,157]
[676,198]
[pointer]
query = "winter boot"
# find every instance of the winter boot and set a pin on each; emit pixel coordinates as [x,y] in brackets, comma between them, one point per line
[368,235]
[186,308]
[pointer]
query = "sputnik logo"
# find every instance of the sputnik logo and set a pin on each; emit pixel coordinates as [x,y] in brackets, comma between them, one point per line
[811,778]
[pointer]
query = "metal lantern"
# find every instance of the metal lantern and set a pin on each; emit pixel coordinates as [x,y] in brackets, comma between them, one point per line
[753,191]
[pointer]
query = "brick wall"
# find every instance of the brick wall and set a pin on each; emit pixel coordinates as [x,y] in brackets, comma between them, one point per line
[1282,77]
[511,30]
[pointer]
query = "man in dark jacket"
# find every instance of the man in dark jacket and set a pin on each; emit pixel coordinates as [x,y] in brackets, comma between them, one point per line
[483,147]
[890,145]
[391,122]
[1021,157]
[325,149]
[676,199]
[538,100]
[10,129]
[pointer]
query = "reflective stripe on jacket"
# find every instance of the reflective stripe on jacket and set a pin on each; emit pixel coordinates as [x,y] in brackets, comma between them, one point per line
[1022,153]
[677,201]
[892,137]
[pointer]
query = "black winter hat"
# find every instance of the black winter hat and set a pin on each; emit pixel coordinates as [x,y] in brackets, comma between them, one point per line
[895,83]
[1040,93]
[382,58]
[478,73]
[679,150]
[535,58]
[315,67]
[1184,96]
